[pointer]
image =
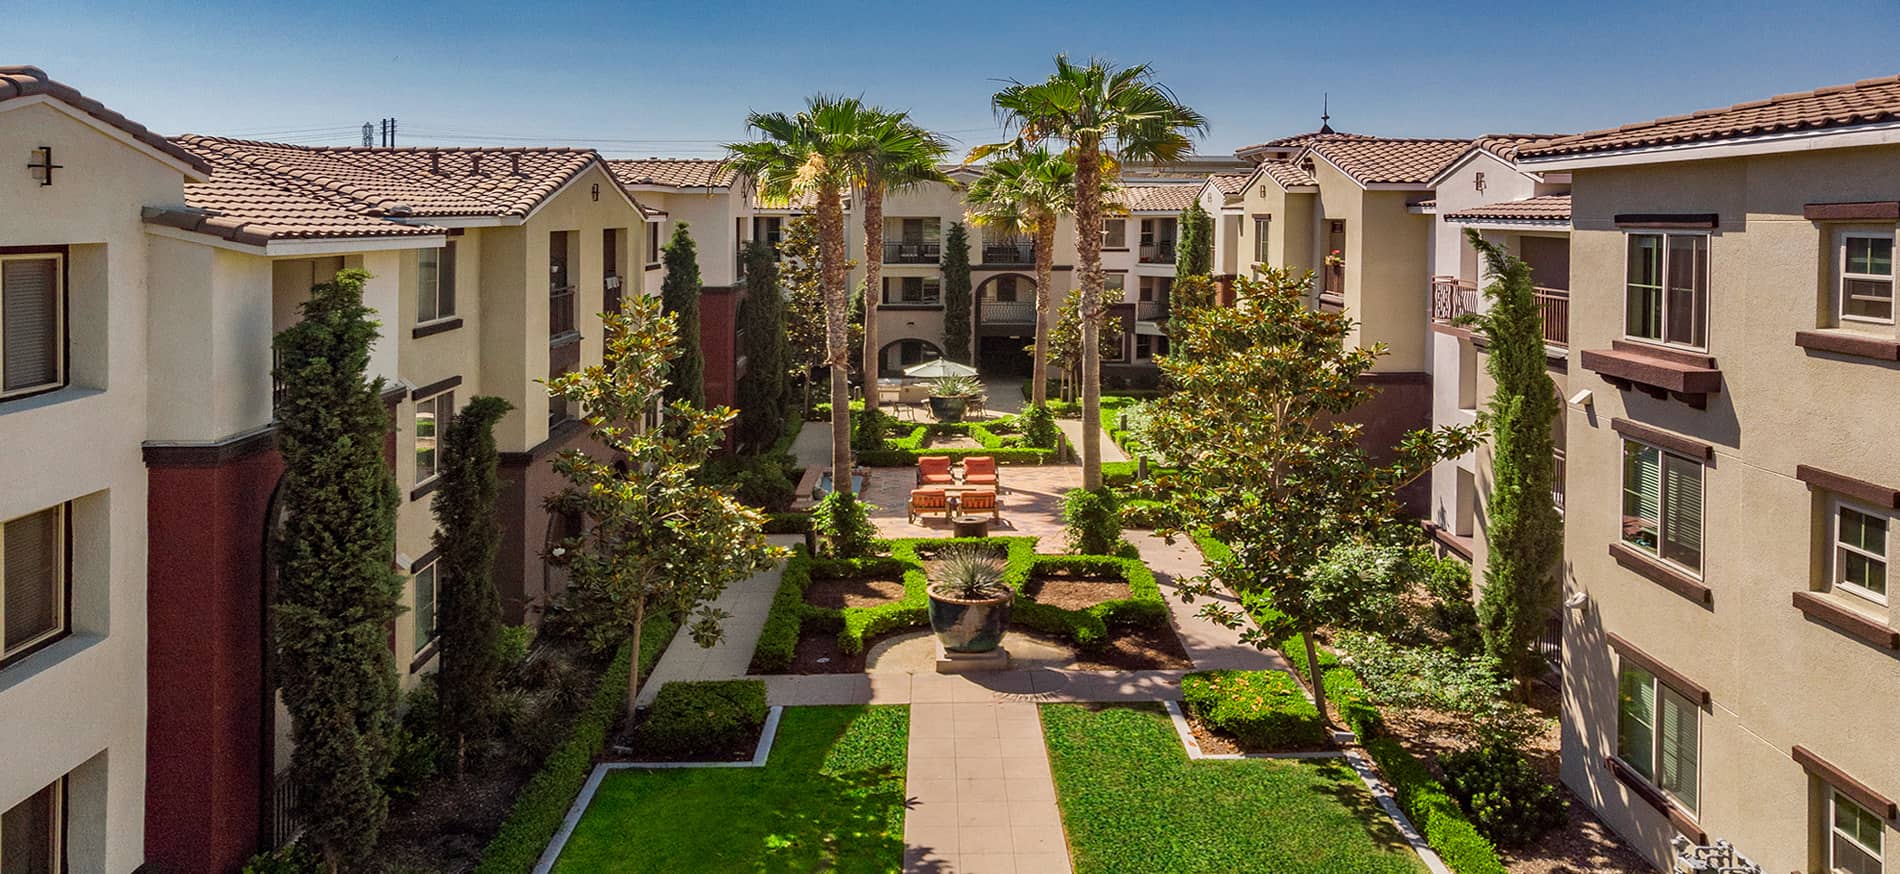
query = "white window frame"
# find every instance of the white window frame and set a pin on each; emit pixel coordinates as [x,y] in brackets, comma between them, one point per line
[433,567]
[57,826]
[1836,546]
[441,254]
[62,625]
[438,422]
[1662,500]
[60,327]
[1708,327]
[1113,246]
[1841,276]
[1834,833]
[1262,225]
[1654,768]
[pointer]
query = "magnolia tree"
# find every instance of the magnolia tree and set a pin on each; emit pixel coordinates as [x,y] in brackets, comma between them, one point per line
[656,539]
[1270,465]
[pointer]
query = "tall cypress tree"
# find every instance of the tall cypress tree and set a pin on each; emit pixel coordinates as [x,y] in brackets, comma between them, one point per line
[768,360]
[1524,530]
[1195,256]
[679,295]
[336,591]
[956,294]
[468,537]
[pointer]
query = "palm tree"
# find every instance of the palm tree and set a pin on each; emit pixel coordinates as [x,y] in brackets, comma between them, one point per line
[1026,192]
[892,154]
[1106,116]
[810,155]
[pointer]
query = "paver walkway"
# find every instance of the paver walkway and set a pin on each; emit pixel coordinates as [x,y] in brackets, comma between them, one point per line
[982,798]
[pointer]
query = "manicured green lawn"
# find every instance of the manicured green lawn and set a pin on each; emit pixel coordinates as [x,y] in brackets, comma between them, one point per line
[1132,801]
[830,798]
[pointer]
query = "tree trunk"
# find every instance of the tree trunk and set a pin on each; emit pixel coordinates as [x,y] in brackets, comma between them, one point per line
[1317,676]
[873,274]
[831,258]
[1045,273]
[1088,250]
[633,664]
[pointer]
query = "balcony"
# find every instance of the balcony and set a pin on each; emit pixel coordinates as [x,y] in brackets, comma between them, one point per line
[560,311]
[1557,481]
[1157,252]
[1013,312]
[1556,306]
[912,252]
[1453,297]
[1151,310]
[1010,252]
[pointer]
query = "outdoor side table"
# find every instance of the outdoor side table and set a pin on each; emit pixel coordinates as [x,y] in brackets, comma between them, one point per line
[971,526]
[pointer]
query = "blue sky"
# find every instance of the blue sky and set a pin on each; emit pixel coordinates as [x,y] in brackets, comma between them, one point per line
[677,78]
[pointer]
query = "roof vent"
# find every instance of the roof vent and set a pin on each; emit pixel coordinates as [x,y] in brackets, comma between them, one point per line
[475,163]
[514,163]
[435,161]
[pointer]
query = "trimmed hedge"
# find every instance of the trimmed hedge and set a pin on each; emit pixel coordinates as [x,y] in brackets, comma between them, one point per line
[1088,627]
[1433,811]
[994,438]
[1343,688]
[542,803]
[1121,474]
[703,716]
[787,523]
[1264,710]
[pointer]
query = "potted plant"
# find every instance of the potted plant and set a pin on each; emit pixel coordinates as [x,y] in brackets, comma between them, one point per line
[969,603]
[949,395]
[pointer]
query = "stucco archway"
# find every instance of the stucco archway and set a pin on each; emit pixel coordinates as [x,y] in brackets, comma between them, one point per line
[903,352]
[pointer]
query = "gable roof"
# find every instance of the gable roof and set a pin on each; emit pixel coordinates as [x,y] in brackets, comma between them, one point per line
[1157,198]
[1293,143]
[1229,184]
[1543,208]
[24,81]
[245,206]
[673,172]
[1504,147]
[1869,101]
[1388,161]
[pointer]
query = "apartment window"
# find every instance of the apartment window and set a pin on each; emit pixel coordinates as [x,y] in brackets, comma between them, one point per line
[1156,288]
[1860,552]
[653,243]
[1114,233]
[32,324]
[426,594]
[1866,278]
[1148,346]
[769,230]
[611,280]
[33,833]
[1667,293]
[435,283]
[1005,289]
[432,416]
[920,290]
[34,582]
[1260,226]
[1662,504]
[1854,837]
[1114,286]
[1658,734]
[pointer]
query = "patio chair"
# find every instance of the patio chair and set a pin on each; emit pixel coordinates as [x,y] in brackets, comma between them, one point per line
[934,470]
[978,500]
[974,407]
[928,500]
[980,470]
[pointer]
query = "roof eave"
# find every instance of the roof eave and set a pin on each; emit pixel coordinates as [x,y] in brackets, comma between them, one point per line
[1878,134]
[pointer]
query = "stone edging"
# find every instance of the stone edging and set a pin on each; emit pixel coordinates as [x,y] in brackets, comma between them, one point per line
[581,801]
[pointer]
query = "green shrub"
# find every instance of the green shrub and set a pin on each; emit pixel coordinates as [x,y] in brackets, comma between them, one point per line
[415,760]
[1092,520]
[703,716]
[1039,427]
[787,523]
[1504,794]
[843,526]
[1263,710]
[513,646]
[291,858]
[1434,812]
[1343,688]
[1143,513]
[868,430]
[821,411]
[778,639]
[1122,474]
[1453,614]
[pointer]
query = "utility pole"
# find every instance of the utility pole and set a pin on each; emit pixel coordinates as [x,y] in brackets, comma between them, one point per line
[389,133]
[367,142]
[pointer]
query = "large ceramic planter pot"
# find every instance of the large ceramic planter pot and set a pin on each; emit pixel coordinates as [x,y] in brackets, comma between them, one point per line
[969,626]
[947,409]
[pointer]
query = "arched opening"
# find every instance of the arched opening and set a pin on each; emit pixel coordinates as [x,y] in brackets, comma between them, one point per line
[279,821]
[905,352]
[1006,324]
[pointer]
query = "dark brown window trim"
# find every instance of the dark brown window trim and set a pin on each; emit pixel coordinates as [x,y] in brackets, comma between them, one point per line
[393,394]
[558,434]
[1669,676]
[1327,298]
[435,388]
[425,559]
[1451,542]
[1848,343]
[1656,571]
[1875,210]
[1660,373]
[1676,443]
[1862,794]
[1820,608]
[1884,497]
[423,488]
[1669,220]
[424,655]
[910,306]
[1684,357]
[437,327]
[1641,788]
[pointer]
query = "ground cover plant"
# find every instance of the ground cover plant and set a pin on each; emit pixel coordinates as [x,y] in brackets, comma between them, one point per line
[830,798]
[1264,710]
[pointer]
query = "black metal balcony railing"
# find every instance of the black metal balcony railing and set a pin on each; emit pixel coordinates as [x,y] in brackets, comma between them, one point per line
[1010,252]
[1151,310]
[1011,312]
[560,311]
[912,252]
[1158,252]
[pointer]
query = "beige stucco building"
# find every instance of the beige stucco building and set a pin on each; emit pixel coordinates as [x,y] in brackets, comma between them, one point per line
[1730,667]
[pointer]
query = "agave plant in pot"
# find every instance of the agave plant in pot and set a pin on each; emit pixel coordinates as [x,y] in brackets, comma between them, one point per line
[950,394]
[969,602]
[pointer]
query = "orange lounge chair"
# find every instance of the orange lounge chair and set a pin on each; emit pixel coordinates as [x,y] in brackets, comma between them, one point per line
[978,500]
[934,470]
[979,470]
[928,500]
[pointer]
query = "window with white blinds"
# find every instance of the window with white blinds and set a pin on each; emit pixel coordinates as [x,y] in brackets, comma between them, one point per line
[32,580]
[1662,504]
[32,330]
[1659,734]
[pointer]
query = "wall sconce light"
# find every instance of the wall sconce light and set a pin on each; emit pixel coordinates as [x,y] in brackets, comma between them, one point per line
[42,165]
[597,192]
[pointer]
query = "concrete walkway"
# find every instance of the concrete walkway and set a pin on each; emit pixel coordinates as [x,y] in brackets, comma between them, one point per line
[1072,429]
[812,446]
[1209,645]
[748,603]
[982,798]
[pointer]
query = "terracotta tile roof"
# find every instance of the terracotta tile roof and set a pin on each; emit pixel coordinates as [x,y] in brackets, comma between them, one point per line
[246,206]
[1297,141]
[1371,161]
[1868,101]
[1543,208]
[22,81]
[1157,198]
[1507,146]
[673,172]
[1229,183]
[421,182]
[1288,173]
